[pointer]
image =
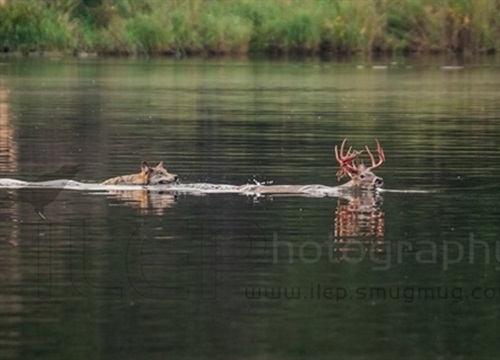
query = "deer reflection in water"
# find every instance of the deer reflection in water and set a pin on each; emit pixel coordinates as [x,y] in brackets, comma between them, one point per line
[359,225]
[359,220]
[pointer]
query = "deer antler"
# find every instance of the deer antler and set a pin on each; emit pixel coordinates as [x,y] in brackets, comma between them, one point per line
[345,161]
[381,156]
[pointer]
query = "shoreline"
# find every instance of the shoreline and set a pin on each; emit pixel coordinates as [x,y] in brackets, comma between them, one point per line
[377,57]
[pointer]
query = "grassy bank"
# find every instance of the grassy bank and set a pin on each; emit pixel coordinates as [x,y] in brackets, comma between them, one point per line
[158,27]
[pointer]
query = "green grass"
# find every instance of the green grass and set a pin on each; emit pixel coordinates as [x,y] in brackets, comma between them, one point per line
[27,26]
[157,27]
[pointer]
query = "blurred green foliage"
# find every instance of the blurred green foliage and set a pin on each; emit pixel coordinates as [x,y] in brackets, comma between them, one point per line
[250,26]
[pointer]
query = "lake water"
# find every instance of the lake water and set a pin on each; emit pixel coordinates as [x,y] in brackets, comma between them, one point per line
[137,274]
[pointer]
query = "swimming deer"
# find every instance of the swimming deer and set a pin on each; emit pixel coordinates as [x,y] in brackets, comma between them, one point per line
[362,177]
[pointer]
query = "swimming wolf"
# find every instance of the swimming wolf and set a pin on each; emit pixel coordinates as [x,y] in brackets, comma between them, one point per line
[157,175]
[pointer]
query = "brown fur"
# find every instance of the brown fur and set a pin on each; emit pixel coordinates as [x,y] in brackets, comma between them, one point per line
[148,176]
[361,175]
[364,178]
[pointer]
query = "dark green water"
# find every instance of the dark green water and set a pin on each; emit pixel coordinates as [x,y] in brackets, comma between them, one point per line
[137,275]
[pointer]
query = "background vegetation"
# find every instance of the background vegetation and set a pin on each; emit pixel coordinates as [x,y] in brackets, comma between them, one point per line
[158,27]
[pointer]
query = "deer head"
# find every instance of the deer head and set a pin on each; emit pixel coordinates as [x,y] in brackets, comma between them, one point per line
[361,175]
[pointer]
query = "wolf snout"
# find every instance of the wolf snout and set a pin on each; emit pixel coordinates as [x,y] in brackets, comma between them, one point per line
[173,179]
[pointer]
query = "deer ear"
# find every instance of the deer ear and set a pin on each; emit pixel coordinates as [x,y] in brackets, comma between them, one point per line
[145,167]
[160,165]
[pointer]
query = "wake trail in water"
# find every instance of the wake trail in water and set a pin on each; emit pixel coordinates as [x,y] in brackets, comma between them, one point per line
[75,185]
[190,188]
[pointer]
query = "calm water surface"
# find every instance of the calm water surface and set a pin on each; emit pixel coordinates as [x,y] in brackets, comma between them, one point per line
[149,275]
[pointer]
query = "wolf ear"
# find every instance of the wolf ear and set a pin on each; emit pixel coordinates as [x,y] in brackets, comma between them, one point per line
[160,164]
[145,167]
